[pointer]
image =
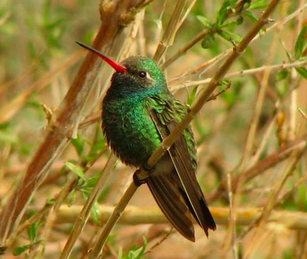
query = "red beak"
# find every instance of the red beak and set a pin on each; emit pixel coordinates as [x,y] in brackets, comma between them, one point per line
[115,65]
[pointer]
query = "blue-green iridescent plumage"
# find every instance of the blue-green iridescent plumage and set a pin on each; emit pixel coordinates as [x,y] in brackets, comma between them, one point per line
[138,112]
[126,112]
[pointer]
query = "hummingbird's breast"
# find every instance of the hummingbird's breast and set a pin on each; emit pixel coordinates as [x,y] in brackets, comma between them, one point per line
[129,130]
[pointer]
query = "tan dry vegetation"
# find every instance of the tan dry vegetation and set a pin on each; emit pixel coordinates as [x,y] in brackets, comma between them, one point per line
[250,131]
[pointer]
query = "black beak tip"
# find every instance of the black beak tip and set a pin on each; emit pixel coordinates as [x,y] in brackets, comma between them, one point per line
[80,44]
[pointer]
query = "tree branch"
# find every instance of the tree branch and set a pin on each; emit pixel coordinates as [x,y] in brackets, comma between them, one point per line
[152,215]
[67,118]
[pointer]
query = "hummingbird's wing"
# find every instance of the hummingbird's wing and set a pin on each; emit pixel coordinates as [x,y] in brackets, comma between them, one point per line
[171,202]
[183,156]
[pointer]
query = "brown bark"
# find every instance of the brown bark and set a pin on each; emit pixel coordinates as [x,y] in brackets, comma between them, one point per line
[115,15]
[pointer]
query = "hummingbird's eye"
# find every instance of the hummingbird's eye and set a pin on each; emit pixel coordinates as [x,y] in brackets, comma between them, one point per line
[142,74]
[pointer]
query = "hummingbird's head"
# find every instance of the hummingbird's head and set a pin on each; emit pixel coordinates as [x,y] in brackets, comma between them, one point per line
[135,74]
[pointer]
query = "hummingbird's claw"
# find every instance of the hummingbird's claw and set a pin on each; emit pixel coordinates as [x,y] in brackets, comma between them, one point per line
[148,168]
[137,180]
[140,176]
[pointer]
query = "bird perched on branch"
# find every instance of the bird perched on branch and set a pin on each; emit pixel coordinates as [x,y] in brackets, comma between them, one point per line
[138,112]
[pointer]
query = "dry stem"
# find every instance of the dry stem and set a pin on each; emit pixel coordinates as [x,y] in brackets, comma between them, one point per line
[268,162]
[58,135]
[85,213]
[242,73]
[167,142]
[152,215]
[227,52]
[170,32]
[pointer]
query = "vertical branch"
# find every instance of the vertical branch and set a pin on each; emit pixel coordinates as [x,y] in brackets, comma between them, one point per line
[113,19]
[170,139]
[293,102]
[170,31]
[85,213]
[258,107]
[205,95]
[117,212]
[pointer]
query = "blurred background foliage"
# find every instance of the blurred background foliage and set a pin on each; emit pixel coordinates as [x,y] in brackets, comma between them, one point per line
[39,59]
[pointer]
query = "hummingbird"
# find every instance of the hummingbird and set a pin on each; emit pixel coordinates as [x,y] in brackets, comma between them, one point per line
[138,112]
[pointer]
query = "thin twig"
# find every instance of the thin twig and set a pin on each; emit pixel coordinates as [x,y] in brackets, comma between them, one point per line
[303,113]
[271,203]
[184,49]
[242,73]
[8,110]
[67,117]
[227,52]
[170,31]
[160,241]
[143,4]
[214,96]
[264,164]
[117,212]
[253,125]
[167,142]
[85,213]
[5,18]
[199,37]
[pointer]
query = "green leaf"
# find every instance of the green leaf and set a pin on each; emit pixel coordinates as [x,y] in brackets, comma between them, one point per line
[240,20]
[51,201]
[91,182]
[71,197]
[4,126]
[223,12]
[96,147]
[104,193]
[138,253]
[301,43]
[282,75]
[233,24]
[192,96]
[79,144]
[230,36]
[208,41]
[258,4]
[302,197]
[285,49]
[8,137]
[95,211]
[282,90]
[22,249]
[302,71]
[120,253]
[32,231]
[224,83]
[251,16]
[76,169]
[134,252]
[229,26]
[96,214]
[232,96]
[206,22]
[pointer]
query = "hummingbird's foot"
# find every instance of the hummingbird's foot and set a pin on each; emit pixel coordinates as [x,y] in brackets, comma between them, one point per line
[140,176]
[138,181]
[148,168]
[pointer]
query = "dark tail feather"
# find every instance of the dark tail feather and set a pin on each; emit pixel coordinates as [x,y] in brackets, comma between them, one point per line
[170,200]
[207,219]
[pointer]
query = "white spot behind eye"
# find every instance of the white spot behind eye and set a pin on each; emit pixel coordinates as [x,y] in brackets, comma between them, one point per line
[149,77]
